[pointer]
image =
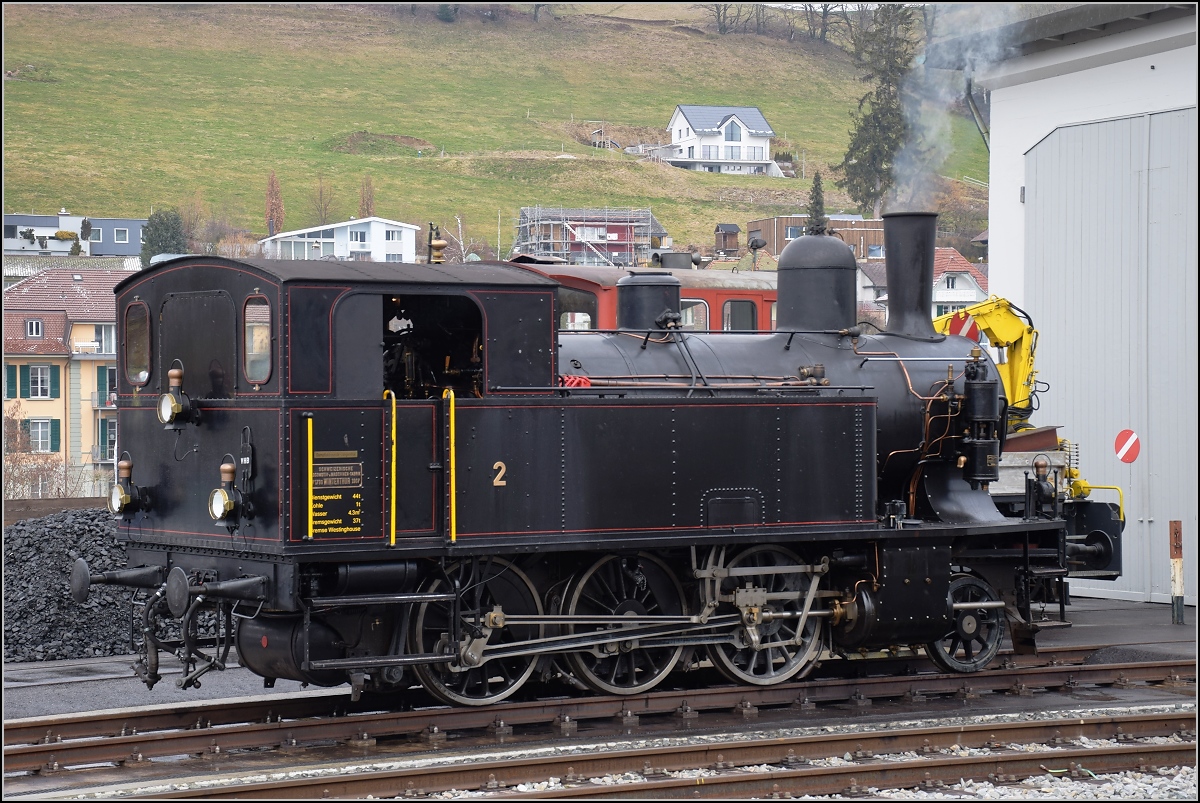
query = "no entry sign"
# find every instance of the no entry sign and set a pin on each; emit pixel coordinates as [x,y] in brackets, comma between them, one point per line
[964,325]
[1127,446]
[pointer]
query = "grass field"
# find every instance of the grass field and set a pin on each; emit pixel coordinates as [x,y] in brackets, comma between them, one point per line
[117,109]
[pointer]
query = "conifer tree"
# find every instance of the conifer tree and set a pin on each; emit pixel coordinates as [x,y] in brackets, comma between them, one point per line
[879,129]
[818,223]
[163,235]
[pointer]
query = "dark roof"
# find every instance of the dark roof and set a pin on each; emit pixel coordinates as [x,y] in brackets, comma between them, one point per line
[981,237]
[1057,29]
[729,228]
[708,119]
[320,270]
[875,271]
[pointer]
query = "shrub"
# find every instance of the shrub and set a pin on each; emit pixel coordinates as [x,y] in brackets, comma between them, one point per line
[64,235]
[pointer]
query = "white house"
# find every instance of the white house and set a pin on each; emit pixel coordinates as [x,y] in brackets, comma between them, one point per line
[957,282]
[720,139]
[372,239]
[1093,198]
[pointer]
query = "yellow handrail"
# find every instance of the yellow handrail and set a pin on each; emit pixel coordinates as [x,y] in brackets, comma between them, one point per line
[309,416]
[392,483]
[1081,488]
[449,394]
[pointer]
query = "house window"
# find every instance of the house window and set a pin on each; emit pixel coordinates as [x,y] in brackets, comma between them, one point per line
[393,257]
[792,232]
[361,256]
[358,236]
[754,153]
[10,232]
[691,151]
[710,152]
[120,235]
[946,309]
[874,251]
[106,449]
[142,236]
[106,336]
[391,235]
[592,234]
[39,435]
[33,328]
[949,282]
[733,152]
[39,381]
[733,133]
[97,236]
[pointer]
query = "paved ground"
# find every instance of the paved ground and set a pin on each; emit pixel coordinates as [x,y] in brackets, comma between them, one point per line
[1136,631]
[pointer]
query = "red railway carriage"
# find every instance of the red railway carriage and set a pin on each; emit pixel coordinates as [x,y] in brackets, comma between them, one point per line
[709,299]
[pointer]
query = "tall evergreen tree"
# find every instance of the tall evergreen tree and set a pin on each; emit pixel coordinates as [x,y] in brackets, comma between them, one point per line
[818,223]
[274,206]
[163,234]
[879,129]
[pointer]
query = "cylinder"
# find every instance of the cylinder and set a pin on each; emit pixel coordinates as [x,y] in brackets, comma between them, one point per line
[816,285]
[643,298]
[908,242]
[273,647]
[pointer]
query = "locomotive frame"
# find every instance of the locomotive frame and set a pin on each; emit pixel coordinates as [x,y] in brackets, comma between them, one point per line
[357,471]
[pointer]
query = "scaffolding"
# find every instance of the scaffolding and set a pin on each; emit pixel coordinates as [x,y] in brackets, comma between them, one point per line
[599,236]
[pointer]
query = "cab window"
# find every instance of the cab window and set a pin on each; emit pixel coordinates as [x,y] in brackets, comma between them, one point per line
[256,356]
[137,343]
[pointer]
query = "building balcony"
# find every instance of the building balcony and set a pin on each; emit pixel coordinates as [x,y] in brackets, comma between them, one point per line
[107,401]
[104,454]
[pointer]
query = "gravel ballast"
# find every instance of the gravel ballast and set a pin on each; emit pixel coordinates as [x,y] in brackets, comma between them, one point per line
[41,620]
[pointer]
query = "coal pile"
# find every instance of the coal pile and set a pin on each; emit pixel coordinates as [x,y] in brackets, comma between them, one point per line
[41,621]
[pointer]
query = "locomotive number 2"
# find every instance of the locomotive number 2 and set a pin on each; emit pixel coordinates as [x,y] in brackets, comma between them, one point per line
[499,480]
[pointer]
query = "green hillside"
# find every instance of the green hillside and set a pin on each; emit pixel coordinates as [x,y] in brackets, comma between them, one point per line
[114,109]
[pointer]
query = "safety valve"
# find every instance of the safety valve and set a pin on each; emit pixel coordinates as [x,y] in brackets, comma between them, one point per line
[174,407]
[125,497]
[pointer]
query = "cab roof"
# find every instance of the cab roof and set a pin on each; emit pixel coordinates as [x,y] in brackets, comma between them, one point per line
[319,270]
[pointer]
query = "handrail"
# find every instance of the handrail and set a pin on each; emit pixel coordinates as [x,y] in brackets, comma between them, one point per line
[311,479]
[449,394]
[392,482]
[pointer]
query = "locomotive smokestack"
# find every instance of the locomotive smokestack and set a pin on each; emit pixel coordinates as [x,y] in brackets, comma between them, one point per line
[816,285]
[908,240]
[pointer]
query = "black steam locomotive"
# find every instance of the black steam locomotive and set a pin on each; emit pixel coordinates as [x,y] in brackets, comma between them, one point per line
[382,473]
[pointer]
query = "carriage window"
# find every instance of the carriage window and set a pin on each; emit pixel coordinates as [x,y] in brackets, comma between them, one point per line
[693,314]
[137,343]
[576,309]
[739,316]
[257,355]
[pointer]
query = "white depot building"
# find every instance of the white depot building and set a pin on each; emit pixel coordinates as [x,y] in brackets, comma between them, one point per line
[1093,232]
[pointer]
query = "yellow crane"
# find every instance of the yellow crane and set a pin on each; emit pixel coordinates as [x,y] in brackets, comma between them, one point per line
[1010,330]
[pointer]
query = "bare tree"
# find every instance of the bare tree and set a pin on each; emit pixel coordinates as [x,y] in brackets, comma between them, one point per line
[857,19]
[321,201]
[463,245]
[727,16]
[28,473]
[237,245]
[366,198]
[274,218]
[193,211]
[819,18]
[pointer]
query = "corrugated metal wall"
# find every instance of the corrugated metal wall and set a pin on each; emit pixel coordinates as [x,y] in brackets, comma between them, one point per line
[1110,273]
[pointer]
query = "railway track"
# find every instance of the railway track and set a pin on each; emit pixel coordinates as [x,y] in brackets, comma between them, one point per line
[66,751]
